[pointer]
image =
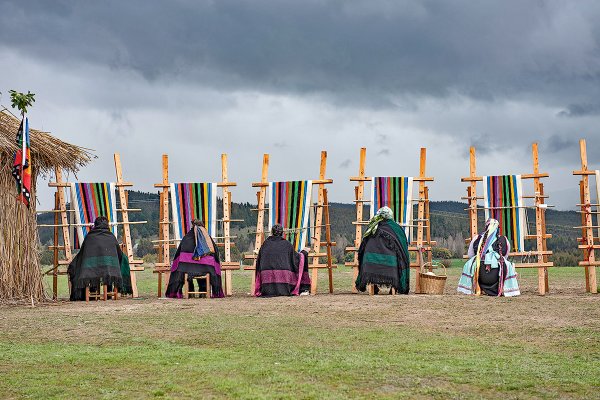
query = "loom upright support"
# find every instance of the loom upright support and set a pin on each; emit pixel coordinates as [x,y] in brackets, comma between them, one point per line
[165,242]
[588,242]
[541,252]
[63,251]
[321,211]
[421,244]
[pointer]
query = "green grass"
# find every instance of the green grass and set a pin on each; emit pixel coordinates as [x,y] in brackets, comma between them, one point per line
[318,347]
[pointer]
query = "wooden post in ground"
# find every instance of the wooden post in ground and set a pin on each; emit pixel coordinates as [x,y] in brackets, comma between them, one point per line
[420,219]
[428,229]
[541,253]
[62,213]
[260,223]
[359,191]
[227,265]
[55,250]
[133,264]
[539,223]
[328,242]
[318,224]
[163,264]
[588,240]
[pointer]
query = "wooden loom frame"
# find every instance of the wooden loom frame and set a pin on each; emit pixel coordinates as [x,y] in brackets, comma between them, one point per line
[541,252]
[588,242]
[165,242]
[423,243]
[321,220]
[62,225]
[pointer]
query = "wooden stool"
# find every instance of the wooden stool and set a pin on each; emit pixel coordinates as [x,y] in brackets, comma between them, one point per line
[105,295]
[186,292]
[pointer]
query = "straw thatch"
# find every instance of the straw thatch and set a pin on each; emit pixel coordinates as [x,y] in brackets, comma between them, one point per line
[20,274]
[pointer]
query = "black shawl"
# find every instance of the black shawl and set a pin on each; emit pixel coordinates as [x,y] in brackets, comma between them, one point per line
[100,261]
[278,267]
[383,258]
[194,268]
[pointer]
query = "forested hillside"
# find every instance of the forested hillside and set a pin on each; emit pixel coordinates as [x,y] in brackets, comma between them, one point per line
[449,227]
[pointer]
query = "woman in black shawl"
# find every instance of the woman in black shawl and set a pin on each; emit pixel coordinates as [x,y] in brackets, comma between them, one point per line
[383,254]
[280,270]
[100,261]
[197,255]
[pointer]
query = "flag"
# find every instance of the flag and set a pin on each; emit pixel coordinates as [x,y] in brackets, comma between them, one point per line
[22,165]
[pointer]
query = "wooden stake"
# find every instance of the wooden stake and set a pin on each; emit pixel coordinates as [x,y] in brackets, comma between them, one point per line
[318,223]
[226,224]
[55,251]
[359,191]
[260,222]
[125,221]
[420,218]
[328,240]
[164,258]
[472,192]
[587,222]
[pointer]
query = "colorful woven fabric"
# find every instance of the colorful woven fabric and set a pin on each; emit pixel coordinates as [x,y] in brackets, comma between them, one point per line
[394,192]
[21,170]
[289,205]
[90,201]
[191,201]
[503,200]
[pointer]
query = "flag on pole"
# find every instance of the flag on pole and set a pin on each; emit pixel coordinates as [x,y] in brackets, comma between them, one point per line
[22,165]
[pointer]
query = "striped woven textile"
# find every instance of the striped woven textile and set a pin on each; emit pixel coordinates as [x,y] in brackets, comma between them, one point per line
[90,201]
[289,205]
[191,201]
[503,201]
[396,193]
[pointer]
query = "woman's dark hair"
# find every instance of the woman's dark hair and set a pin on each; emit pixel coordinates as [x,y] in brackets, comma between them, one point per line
[198,222]
[277,230]
[101,222]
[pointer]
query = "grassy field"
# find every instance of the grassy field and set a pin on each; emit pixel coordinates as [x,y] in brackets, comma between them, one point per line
[325,346]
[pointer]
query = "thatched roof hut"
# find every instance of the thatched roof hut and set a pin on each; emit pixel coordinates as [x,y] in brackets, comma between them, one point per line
[20,274]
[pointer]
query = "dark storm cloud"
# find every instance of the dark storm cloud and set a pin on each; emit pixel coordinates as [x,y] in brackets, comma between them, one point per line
[293,77]
[373,52]
[580,110]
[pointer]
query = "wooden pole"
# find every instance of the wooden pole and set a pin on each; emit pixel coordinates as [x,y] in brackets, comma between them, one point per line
[359,191]
[472,193]
[588,232]
[226,224]
[260,234]
[163,229]
[125,221]
[421,218]
[328,239]
[542,271]
[55,250]
[583,239]
[428,229]
[318,223]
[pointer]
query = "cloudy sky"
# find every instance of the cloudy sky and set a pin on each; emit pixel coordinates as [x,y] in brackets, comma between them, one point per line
[195,79]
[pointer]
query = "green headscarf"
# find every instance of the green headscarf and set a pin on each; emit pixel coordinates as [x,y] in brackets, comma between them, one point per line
[382,214]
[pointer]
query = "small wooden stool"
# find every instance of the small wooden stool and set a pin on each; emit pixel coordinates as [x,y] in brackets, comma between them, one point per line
[105,295]
[371,289]
[186,292]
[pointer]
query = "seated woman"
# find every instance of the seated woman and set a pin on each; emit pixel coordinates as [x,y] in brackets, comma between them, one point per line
[100,261]
[196,255]
[383,254]
[488,271]
[281,271]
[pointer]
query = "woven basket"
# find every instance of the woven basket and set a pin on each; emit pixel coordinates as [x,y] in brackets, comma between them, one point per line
[433,284]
